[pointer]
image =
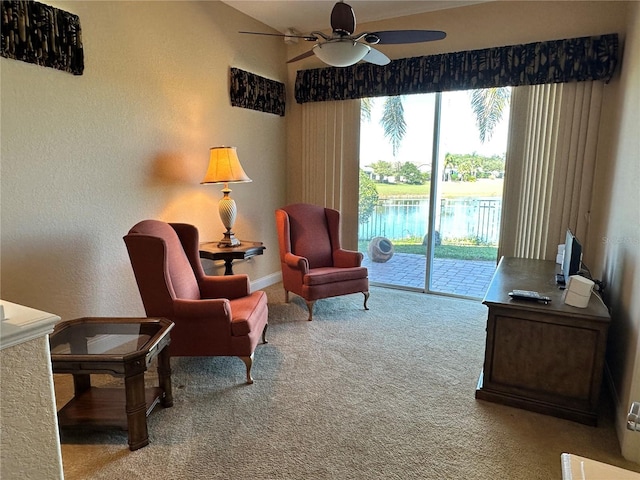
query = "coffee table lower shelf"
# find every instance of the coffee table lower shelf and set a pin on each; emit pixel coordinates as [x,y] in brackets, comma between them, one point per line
[103,407]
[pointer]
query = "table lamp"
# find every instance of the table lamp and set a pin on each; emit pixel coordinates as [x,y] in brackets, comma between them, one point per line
[224,167]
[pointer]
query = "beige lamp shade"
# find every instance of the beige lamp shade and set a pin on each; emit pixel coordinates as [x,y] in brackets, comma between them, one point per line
[224,167]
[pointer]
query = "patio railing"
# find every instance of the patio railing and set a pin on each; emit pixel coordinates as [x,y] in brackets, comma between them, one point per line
[472,219]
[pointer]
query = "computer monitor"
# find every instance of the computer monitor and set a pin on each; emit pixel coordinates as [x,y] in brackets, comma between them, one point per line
[572,256]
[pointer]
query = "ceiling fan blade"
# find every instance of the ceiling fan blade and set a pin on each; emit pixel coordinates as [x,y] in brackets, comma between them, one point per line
[309,38]
[343,20]
[407,36]
[301,56]
[376,57]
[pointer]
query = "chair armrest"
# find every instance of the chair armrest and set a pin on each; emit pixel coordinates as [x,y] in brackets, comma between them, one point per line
[227,286]
[297,262]
[347,258]
[216,309]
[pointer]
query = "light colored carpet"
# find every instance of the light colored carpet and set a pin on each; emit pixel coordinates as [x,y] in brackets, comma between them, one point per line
[381,394]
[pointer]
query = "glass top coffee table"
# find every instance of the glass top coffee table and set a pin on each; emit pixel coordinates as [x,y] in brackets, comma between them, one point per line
[122,347]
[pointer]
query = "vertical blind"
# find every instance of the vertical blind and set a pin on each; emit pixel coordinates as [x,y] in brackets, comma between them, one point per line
[330,161]
[550,166]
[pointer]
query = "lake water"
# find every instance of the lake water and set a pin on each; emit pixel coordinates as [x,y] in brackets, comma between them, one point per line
[476,219]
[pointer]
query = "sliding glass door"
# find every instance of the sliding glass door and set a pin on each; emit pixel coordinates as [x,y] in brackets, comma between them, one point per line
[396,161]
[472,144]
[431,190]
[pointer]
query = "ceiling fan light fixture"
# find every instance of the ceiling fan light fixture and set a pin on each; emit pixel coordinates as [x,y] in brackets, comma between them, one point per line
[341,53]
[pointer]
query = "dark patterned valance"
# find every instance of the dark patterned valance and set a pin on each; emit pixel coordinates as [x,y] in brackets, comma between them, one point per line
[248,90]
[40,34]
[559,61]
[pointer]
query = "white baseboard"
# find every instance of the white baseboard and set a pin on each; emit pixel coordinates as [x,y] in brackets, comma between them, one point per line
[267,281]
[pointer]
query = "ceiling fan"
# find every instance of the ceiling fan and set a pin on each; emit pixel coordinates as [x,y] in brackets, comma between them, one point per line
[344,48]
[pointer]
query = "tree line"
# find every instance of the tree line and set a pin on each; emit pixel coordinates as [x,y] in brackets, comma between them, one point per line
[471,166]
[464,167]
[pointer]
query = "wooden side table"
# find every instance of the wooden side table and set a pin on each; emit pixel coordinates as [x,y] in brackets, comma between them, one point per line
[122,347]
[245,250]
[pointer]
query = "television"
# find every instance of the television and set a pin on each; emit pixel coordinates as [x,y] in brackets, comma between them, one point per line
[572,256]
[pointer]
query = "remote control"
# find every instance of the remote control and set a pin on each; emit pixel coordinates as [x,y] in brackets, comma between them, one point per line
[529,295]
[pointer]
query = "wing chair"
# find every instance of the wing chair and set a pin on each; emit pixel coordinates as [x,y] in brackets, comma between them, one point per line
[314,265]
[213,315]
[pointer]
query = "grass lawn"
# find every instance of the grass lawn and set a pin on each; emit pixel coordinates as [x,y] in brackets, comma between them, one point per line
[480,188]
[458,252]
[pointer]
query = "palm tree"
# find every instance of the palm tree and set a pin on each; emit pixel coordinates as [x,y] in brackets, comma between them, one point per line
[366,105]
[488,105]
[393,122]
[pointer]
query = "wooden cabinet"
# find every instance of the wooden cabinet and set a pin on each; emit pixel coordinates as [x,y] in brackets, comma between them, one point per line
[544,358]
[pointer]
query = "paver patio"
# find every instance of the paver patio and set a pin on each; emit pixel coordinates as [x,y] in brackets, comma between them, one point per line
[467,278]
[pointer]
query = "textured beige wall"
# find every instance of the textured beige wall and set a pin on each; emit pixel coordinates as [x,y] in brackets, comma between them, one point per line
[86,157]
[29,446]
[83,158]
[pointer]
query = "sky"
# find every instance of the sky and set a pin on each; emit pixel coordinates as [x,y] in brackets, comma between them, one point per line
[458,134]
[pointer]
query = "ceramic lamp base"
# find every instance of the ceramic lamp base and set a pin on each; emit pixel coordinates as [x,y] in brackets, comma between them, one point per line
[229,240]
[228,212]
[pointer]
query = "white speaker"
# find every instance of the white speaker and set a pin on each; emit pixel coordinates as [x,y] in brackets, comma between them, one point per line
[578,291]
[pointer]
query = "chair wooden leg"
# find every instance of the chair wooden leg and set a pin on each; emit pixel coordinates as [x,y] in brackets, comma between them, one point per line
[248,361]
[366,298]
[286,296]
[264,334]
[310,307]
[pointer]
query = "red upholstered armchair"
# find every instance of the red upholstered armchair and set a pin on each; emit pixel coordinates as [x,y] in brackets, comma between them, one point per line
[213,316]
[314,265]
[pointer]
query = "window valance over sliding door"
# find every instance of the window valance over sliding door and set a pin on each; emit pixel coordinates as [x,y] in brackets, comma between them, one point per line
[558,61]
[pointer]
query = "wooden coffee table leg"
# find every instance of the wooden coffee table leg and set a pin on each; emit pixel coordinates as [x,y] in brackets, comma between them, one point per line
[81,383]
[136,411]
[164,377]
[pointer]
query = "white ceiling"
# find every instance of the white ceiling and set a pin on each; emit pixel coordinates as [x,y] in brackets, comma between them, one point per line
[308,15]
